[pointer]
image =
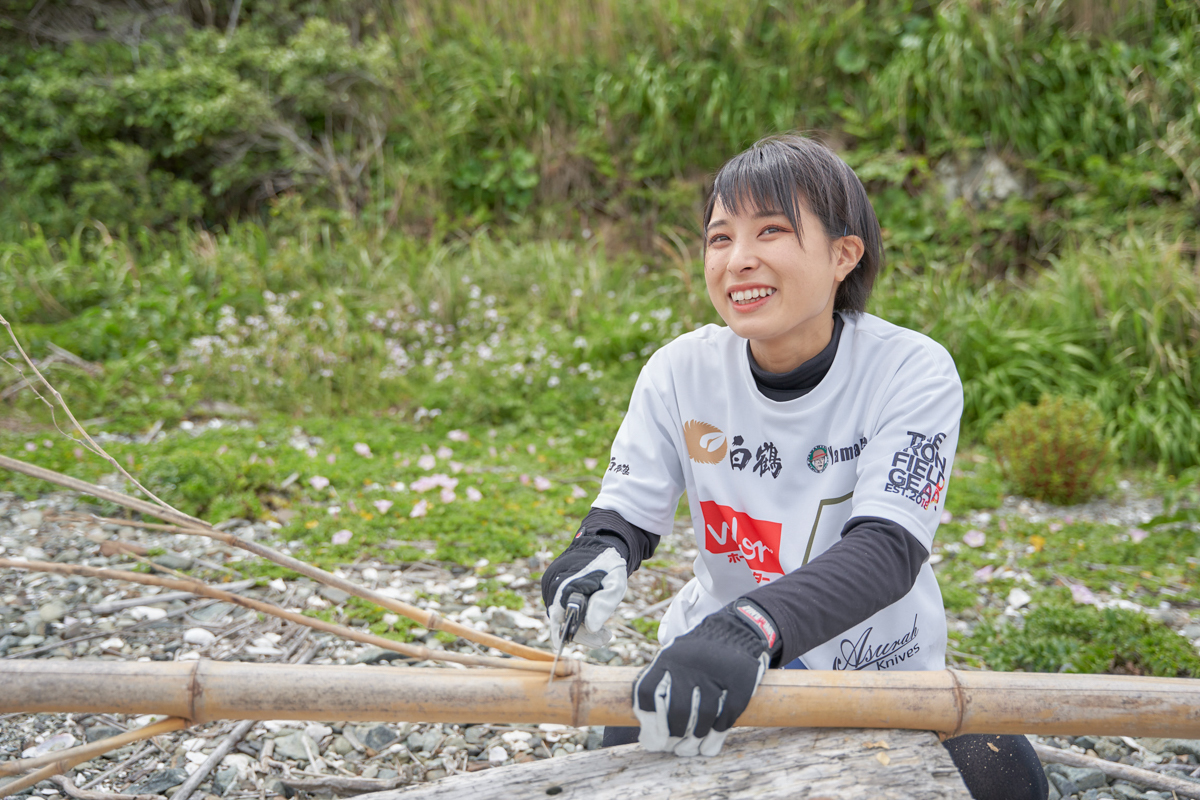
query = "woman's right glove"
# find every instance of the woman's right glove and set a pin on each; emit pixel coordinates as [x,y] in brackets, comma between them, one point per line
[593,566]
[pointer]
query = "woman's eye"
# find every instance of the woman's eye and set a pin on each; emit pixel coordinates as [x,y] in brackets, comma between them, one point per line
[773,229]
[716,238]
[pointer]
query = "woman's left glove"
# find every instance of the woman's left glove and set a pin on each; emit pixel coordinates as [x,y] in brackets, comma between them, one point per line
[696,688]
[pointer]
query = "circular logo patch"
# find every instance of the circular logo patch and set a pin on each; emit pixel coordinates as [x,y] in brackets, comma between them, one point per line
[818,458]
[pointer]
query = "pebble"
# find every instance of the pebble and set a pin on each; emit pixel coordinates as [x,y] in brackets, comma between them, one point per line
[29,519]
[292,746]
[497,754]
[199,636]
[52,611]
[160,781]
[379,737]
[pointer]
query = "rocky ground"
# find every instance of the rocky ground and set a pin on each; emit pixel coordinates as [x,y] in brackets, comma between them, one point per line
[45,616]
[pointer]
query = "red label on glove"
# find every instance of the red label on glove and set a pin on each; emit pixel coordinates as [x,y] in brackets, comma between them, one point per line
[759,621]
[751,540]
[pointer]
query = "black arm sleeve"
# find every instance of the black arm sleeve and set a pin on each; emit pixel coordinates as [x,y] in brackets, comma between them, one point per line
[633,543]
[873,565]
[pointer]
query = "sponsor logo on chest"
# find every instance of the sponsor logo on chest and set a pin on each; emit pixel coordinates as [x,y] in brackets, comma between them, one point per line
[742,538]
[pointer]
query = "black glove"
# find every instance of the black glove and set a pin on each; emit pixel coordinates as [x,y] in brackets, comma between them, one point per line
[696,687]
[594,566]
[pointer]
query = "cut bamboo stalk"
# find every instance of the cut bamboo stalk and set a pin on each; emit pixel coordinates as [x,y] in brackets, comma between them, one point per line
[189,525]
[197,587]
[63,760]
[947,701]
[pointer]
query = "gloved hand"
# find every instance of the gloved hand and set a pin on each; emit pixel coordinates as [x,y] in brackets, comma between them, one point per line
[696,688]
[591,565]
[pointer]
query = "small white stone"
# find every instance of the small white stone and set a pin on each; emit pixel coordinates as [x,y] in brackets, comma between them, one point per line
[512,737]
[278,585]
[497,755]
[370,574]
[199,636]
[1018,597]
[147,613]
[115,643]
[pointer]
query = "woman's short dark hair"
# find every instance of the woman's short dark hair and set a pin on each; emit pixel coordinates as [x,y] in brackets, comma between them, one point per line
[778,173]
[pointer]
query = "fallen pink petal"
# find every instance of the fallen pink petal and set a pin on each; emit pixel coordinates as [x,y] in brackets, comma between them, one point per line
[341,537]
[448,496]
[947,517]
[984,573]
[426,462]
[363,449]
[524,479]
[1055,527]
[331,458]
[420,509]
[590,464]
[382,506]
[444,452]
[318,482]
[1082,594]
[578,493]
[1137,535]
[974,538]
[473,494]
[541,484]
[458,436]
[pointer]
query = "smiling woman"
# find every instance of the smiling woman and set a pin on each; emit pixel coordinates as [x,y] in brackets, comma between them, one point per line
[817,556]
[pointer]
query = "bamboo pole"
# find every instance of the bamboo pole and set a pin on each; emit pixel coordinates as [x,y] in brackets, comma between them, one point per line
[189,525]
[201,588]
[947,701]
[59,762]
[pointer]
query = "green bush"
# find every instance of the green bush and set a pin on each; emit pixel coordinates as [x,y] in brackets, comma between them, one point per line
[1085,639]
[1055,451]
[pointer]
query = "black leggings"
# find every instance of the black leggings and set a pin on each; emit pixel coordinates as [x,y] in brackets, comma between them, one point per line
[992,767]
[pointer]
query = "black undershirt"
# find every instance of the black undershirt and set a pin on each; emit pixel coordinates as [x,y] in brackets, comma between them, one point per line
[873,565]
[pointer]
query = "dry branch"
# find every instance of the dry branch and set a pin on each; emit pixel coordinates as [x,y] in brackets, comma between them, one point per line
[71,790]
[1124,772]
[947,701]
[196,587]
[63,760]
[189,525]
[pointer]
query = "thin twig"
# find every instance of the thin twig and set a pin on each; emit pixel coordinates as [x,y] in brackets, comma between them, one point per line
[59,762]
[113,770]
[189,525]
[71,790]
[412,651]
[95,448]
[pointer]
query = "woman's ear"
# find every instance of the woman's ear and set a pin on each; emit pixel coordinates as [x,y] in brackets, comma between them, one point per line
[848,251]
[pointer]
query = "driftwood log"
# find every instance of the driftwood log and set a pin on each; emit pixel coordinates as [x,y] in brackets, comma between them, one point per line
[949,701]
[764,764]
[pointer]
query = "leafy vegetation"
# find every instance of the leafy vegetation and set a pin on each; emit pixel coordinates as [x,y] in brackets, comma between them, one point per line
[1053,451]
[302,227]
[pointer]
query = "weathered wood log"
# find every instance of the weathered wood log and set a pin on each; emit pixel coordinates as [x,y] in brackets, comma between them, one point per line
[765,764]
[948,701]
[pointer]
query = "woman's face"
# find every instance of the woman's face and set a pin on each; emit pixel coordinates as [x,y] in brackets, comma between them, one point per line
[769,288]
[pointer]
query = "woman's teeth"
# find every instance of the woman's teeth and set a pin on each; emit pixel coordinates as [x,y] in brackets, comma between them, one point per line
[750,295]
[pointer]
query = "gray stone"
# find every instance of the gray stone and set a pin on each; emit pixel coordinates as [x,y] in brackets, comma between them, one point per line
[1085,777]
[1110,750]
[224,780]
[97,732]
[173,561]
[379,737]
[7,642]
[32,640]
[160,781]
[333,594]
[1065,785]
[594,737]
[457,742]
[602,655]
[386,774]
[1126,791]
[1182,747]
[341,745]
[1053,793]
[427,742]
[29,519]
[292,746]
[52,611]
[477,734]
[375,655]
[1086,742]
[1192,631]
[434,774]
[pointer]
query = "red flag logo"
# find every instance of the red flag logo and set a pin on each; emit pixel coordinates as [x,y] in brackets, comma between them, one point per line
[746,538]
